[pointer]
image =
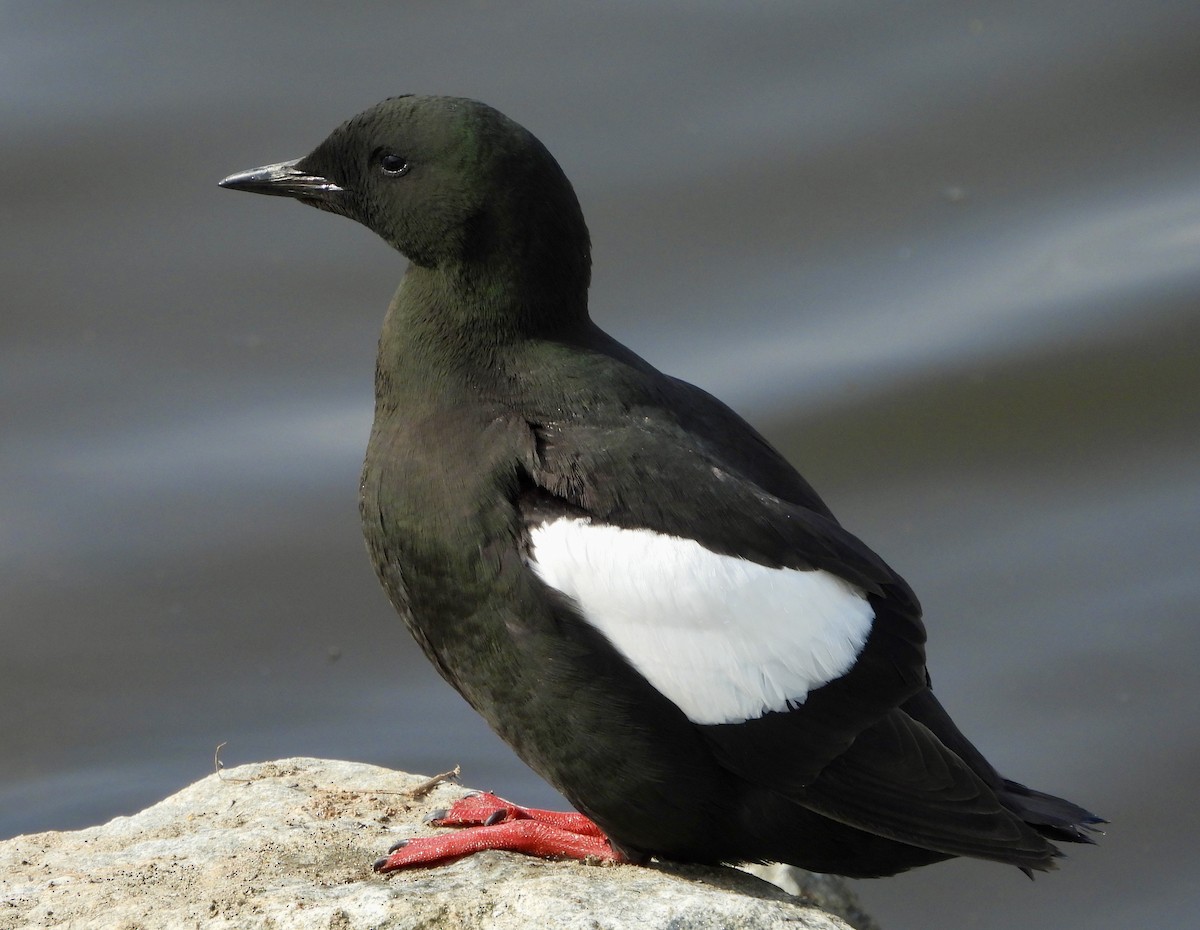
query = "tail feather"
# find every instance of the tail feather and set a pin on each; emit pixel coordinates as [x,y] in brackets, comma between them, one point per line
[1053,817]
[899,781]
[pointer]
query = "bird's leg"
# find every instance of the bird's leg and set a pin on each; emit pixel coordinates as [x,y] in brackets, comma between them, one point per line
[492,823]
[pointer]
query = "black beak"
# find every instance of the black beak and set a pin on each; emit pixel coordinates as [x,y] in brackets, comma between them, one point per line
[286,180]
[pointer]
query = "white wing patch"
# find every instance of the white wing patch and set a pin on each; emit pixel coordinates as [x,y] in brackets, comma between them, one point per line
[725,639]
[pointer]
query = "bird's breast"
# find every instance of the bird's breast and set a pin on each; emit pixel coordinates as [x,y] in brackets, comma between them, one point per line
[437,509]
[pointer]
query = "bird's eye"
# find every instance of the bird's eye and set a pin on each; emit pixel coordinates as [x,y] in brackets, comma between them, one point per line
[393,165]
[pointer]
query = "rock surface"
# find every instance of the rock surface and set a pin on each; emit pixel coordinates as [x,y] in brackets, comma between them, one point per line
[290,844]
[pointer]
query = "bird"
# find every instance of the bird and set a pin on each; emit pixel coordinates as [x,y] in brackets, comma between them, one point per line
[629,583]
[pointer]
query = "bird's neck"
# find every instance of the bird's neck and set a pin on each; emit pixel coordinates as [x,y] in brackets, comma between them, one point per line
[451,332]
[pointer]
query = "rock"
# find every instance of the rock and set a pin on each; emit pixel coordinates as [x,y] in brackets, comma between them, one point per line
[290,844]
[828,892]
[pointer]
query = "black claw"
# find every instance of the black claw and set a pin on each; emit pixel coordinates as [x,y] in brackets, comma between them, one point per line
[435,815]
[495,817]
[378,864]
[399,844]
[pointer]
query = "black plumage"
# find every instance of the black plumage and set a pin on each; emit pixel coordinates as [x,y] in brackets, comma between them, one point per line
[502,409]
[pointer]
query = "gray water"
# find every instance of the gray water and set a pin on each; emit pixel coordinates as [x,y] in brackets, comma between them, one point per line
[947,255]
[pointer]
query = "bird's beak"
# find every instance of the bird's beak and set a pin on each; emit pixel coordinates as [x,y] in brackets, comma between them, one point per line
[287,180]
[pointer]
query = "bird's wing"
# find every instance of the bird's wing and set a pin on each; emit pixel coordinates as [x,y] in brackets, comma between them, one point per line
[776,631]
[791,646]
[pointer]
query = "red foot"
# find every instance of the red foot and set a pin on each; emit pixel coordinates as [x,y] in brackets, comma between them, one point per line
[502,825]
[488,809]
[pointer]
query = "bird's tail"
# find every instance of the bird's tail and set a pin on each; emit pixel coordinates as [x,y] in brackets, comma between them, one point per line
[1054,818]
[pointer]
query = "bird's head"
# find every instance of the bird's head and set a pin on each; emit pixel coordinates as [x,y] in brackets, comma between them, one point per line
[448,182]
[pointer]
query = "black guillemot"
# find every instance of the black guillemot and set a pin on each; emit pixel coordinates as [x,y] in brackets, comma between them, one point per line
[629,583]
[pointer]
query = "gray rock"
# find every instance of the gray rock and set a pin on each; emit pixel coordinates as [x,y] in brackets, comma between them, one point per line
[290,844]
[828,892]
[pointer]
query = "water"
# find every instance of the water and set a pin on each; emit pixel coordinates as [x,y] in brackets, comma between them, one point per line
[946,255]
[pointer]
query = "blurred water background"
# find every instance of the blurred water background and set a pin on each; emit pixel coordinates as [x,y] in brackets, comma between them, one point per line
[946,254]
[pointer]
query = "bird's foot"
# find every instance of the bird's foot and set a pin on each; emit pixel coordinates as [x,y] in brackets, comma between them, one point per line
[486,809]
[493,823]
